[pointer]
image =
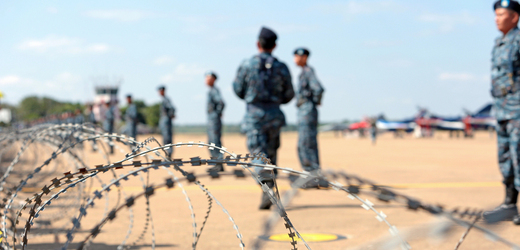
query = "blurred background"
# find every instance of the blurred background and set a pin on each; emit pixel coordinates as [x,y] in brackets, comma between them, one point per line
[372,57]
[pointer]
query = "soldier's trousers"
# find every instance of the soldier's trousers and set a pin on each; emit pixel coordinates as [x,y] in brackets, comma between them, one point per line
[508,135]
[109,128]
[267,143]
[214,134]
[167,133]
[308,142]
[132,129]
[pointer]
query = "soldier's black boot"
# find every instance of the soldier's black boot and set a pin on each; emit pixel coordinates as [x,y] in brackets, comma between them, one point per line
[216,168]
[516,219]
[266,203]
[507,210]
[316,183]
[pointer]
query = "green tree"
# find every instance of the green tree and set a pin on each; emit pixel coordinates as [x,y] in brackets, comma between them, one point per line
[152,114]
[34,107]
[141,109]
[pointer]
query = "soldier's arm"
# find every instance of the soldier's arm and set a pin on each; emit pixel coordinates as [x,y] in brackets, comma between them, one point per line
[172,111]
[240,85]
[316,88]
[288,90]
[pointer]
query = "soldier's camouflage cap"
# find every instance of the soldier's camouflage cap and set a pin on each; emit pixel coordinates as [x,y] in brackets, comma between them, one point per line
[267,34]
[507,4]
[161,87]
[302,51]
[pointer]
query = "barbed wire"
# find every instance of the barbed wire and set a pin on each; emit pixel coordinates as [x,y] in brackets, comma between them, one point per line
[65,140]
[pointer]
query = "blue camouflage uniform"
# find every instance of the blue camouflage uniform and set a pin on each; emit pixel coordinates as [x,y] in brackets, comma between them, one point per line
[505,89]
[308,97]
[92,117]
[264,83]
[165,122]
[69,119]
[79,119]
[110,116]
[131,120]
[215,109]
[108,124]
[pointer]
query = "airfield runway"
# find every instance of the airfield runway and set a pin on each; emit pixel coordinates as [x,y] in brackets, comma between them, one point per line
[451,172]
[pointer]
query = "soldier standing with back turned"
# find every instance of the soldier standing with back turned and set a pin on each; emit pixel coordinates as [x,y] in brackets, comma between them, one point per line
[264,83]
[215,109]
[505,89]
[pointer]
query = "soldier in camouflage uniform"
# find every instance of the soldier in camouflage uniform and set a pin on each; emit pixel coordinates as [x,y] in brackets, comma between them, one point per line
[165,122]
[92,119]
[308,97]
[131,117]
[505,89]
[264,83]
[108,123]
[215,109]
[79,118]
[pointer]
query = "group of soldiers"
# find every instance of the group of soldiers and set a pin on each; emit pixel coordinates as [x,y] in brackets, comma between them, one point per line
[264,83]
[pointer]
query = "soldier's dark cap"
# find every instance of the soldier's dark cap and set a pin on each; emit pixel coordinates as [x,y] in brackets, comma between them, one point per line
[129,96]
[507,4]
[267,35]
[161,87]
[211,73]
[302,51]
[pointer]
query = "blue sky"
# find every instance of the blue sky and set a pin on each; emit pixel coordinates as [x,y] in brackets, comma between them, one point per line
[371,57]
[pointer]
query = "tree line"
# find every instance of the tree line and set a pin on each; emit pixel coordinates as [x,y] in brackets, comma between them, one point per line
[32,108]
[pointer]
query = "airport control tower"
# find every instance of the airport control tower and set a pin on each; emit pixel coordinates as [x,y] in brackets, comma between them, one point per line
[106,91]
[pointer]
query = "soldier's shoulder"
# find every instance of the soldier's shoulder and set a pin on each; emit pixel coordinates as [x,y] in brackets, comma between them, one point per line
[214,90]
[279,64]
[498,39]
[308,69]
[517,35]
[249,62]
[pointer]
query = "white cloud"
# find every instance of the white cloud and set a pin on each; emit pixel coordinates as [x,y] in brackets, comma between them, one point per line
[9,80]
[448,22]
[459,77]
[52,10]
[184,73]
[62,86]
[162,60]
[119,15]
[62,45]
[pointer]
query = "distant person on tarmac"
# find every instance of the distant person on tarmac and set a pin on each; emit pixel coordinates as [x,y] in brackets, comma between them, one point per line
[92,119]
[505,89]
[108,122]
[215,108]
[165,122]
[373,130]
[131,117]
